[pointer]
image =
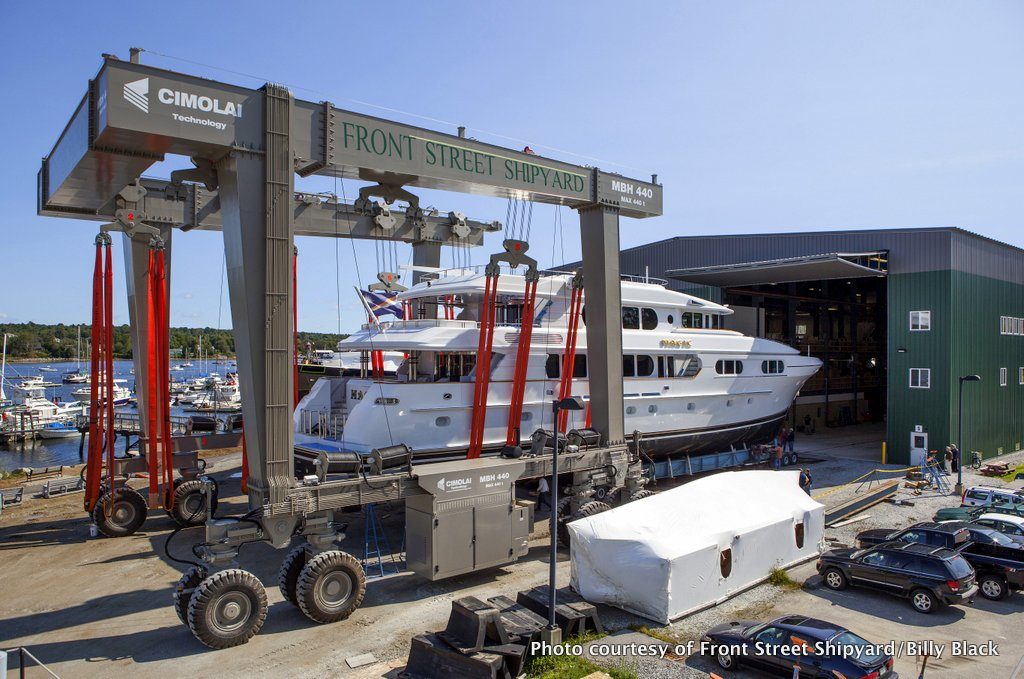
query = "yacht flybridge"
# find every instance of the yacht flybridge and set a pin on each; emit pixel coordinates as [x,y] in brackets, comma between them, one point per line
[690,386]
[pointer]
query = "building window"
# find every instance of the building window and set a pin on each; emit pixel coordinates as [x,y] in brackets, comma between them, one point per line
[920,378]
[1002,377]
[772,367]
[920,321]
[1011,325]
[1020,376]
[729,367]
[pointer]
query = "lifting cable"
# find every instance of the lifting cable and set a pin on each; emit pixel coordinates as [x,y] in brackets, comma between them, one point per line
[569,357]
[514,255]
[98,378]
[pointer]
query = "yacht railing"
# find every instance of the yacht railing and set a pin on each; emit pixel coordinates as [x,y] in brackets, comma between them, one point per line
[323,424]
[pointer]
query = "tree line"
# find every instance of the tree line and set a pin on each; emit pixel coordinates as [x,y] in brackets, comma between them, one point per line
[60,341]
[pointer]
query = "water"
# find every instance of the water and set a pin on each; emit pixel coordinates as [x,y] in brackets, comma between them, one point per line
[48,453]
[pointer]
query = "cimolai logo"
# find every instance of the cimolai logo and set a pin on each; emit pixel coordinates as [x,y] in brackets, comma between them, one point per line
[136,93]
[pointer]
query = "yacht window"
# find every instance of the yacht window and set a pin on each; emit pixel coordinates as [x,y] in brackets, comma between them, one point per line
[729,367]
[664,361]
[644,366]
[716,321]
[772,367]
[671,319]
[687,365]
[579,366]
[628,366]
[551,366]
[649,319]
[630,318]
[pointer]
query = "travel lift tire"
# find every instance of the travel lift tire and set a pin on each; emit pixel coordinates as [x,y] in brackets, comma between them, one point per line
[183,590]
[562,511]
[641,494]
[190,503]
[288,575]
[227,609]
[127,512]
[330,586]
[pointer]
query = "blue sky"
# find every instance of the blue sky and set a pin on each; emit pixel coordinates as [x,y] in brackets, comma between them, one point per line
[757,116]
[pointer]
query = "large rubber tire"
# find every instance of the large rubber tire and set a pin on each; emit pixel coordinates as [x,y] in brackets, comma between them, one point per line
[189,507]
[834,578]
[924,601]
[330,587]
[992,587]
[127,513]
[590,509]
[187,584]
[227,609]
[641,494]
[288,576]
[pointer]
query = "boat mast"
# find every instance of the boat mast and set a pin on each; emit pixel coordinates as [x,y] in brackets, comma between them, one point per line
[3,369]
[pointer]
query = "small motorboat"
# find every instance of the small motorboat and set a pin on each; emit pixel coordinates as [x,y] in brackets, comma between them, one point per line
[58,430]
[47,369]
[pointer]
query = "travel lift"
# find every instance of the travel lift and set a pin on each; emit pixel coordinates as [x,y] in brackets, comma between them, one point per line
[247,146]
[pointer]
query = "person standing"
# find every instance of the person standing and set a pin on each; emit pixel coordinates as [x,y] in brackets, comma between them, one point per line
[790,438]
[954,458]
[543,494]
[778,457]
[806,480]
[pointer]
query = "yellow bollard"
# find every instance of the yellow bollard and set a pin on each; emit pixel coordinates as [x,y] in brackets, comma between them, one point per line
[883,452]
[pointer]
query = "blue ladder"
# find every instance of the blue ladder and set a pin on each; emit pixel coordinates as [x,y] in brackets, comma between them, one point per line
[935,475]
[375,546]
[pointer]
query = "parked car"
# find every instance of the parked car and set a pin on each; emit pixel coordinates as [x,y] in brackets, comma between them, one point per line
[998,560]
[970,513]
[1006,524]
[929,576]
[821,648]
[986,496]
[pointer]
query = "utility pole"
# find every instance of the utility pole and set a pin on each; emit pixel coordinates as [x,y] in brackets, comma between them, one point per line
[960,433]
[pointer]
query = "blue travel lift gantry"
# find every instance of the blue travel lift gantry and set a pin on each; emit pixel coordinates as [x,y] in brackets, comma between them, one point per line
[247,146]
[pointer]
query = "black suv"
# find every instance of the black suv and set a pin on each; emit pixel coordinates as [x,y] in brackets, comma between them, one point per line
[998,560]
[928,576]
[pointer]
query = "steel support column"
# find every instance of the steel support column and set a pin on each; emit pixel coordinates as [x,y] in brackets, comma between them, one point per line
[599,231]
[255,191]
[426,253]
[136,267]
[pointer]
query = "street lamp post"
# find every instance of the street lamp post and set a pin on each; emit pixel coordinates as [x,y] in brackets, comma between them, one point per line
[960,432]
[552,634]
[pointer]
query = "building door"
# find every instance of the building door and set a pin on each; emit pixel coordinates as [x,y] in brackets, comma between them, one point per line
[918,447]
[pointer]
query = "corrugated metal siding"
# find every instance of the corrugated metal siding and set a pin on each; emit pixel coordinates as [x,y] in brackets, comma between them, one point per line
[975,254]
[908,408]
[993,415]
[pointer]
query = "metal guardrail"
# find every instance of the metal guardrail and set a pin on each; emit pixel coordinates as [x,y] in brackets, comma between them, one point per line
[22,653]
[132,423]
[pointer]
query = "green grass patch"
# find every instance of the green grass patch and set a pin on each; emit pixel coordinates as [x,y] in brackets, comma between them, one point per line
[780,578]
[1012,474]
[659,633]
[573,666]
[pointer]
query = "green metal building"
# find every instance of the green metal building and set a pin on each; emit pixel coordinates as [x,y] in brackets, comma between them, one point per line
[897,316]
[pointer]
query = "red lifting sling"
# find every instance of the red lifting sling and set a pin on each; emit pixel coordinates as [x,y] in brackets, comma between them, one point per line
[569,358]
[158,409]
[295,327]
[515,411]
[101,412]
[514,255]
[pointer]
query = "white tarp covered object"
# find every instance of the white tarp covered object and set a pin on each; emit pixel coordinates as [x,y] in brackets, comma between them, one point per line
[696,545]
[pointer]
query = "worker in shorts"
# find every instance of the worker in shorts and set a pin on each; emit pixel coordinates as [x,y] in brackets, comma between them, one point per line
[778,457]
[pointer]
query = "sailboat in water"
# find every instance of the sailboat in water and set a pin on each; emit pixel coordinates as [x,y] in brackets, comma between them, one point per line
[77,376]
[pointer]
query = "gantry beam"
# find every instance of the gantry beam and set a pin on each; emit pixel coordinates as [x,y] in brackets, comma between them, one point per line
[189,206]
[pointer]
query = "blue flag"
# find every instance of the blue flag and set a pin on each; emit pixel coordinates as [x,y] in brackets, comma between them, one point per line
[383,303]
